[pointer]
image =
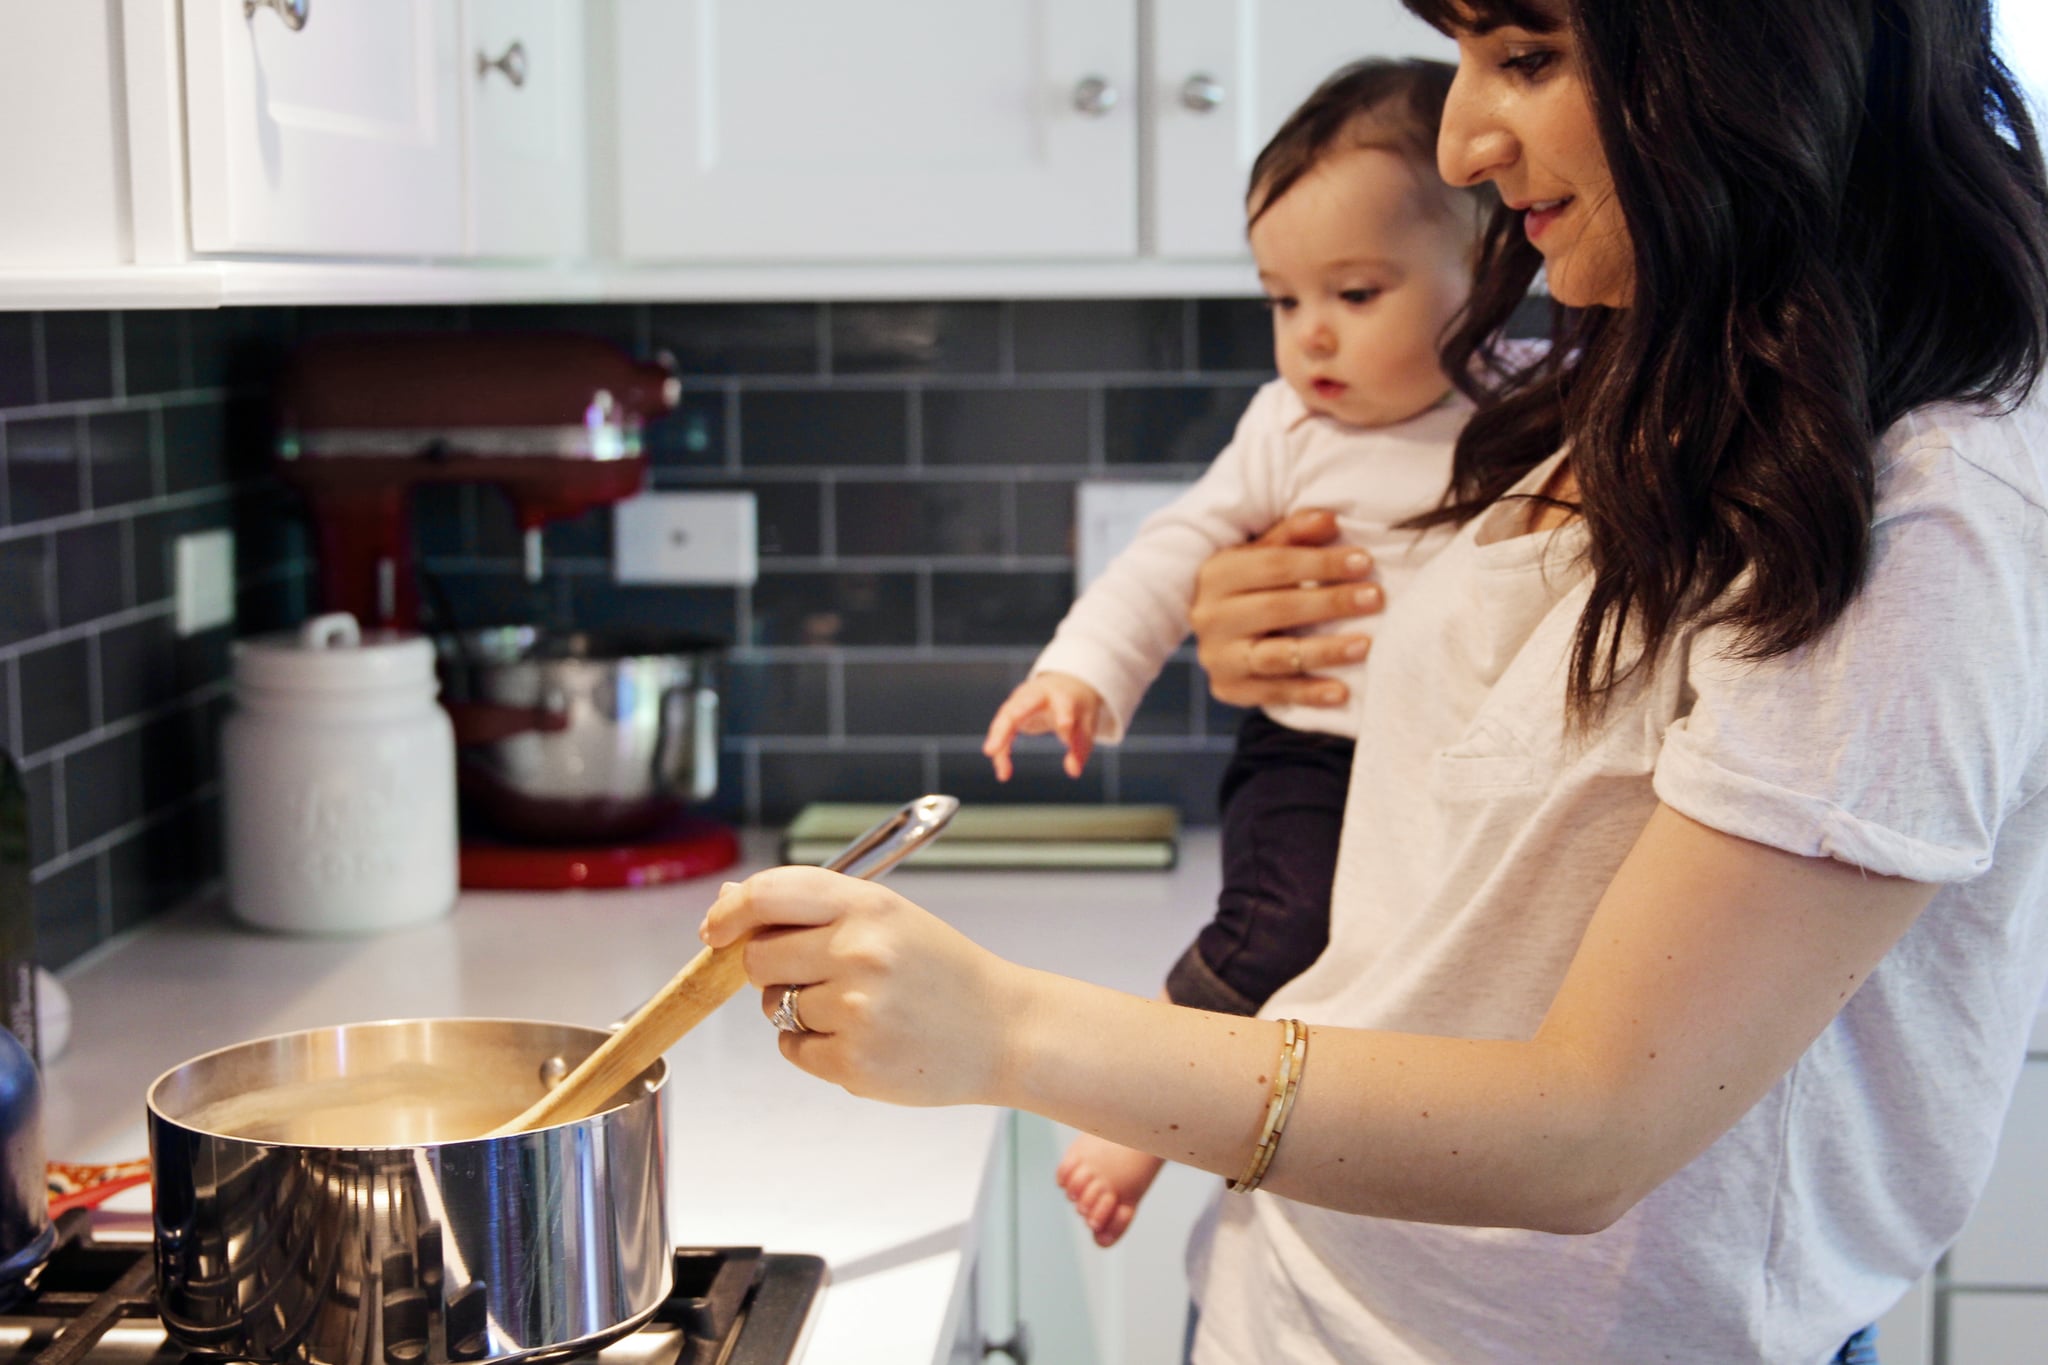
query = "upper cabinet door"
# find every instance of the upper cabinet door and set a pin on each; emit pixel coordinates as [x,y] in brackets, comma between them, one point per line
[776,130]
[324,126]
[524,71]
[1225,73]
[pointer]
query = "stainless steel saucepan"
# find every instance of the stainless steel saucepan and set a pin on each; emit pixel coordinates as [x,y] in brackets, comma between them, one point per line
[322,1197]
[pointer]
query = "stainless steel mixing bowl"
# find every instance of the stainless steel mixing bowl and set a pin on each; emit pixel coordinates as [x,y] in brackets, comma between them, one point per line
[585,735]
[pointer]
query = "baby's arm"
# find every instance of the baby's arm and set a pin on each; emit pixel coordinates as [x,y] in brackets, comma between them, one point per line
[1127,624]
[1046,703]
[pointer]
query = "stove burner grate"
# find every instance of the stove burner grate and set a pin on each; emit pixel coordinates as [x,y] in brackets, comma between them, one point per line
[730,1306]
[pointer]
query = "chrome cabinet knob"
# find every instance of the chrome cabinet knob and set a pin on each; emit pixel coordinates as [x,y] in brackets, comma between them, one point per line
[1201,92]
[1094,96]
[292,12]
[512,64]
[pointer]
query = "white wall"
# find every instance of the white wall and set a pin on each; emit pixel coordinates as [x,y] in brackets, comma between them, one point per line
[2023,33]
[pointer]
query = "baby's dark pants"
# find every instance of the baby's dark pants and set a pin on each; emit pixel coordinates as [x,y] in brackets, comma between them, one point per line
[1282,807]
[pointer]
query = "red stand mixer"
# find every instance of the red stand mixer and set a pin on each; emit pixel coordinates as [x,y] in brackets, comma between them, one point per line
[580,751]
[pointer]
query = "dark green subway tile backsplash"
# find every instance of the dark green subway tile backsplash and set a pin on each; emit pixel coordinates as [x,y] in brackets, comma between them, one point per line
[913,465]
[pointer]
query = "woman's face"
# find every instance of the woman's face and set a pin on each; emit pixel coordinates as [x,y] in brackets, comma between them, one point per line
[1520,115]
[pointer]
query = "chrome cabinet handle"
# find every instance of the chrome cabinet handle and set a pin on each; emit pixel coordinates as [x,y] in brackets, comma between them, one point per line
[512,64]
[292,12]
[1094,96]
[1202,92]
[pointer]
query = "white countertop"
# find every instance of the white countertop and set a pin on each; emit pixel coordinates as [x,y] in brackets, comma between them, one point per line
[760,1153]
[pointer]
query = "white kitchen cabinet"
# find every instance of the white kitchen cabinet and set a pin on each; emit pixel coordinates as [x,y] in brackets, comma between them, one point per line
[1224,74]
[62,153]
[917,130]
[1997,1329]
[329,127]
[524,71]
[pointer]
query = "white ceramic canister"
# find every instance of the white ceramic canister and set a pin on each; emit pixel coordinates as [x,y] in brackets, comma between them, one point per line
[338,770]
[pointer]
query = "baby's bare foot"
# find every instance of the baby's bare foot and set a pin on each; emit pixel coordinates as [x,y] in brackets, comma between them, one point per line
[1105,1181]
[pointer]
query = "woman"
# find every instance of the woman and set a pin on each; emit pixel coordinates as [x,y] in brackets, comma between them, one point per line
[1690,916]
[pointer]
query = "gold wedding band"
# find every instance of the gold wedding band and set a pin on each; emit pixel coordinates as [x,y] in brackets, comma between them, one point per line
[1297,669]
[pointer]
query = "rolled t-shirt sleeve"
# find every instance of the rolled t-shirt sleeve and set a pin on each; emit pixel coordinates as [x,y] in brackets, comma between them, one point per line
[1899,740]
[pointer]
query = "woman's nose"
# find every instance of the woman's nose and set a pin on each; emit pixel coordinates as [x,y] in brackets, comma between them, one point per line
[1471,144]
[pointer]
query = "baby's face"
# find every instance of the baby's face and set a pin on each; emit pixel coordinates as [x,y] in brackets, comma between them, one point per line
[1362,277]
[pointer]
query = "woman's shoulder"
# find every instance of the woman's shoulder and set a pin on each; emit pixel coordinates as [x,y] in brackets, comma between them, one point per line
[1946,450]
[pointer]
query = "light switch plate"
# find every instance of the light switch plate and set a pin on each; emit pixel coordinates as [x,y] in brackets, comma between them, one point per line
[1107,514]
[707,538]
[204,568]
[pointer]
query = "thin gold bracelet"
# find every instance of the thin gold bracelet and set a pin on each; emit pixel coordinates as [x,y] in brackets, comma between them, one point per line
[1286,1081]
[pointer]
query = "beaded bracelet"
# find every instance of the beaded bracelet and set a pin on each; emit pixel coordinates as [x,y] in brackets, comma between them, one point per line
[1286,1080]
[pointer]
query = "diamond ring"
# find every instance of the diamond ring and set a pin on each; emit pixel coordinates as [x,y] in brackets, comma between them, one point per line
[785,1016]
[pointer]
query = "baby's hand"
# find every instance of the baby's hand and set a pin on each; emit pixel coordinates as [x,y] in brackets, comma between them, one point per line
[1049,703]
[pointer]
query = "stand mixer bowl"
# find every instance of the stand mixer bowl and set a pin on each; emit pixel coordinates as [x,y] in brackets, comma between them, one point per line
[581,736]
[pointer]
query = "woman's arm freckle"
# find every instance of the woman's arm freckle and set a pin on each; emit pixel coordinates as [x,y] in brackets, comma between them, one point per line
[1174,1126]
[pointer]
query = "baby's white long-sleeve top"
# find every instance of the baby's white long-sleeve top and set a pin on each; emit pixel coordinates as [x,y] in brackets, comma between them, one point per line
[1283,458]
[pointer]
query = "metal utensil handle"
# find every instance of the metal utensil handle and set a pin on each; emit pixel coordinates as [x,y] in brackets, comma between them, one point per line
[708,980]
[910,827]
[913,825]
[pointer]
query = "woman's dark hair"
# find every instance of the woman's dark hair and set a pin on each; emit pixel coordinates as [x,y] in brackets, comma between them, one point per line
[1372,103]
[1838,213]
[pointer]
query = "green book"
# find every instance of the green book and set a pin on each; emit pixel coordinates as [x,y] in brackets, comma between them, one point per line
[1004,836]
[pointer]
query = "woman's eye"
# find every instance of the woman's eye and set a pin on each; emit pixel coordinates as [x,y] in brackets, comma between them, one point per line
[1355,297]
[1529,65]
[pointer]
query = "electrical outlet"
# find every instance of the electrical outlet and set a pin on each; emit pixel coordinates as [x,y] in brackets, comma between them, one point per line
[204,569]
[1107,515]
[685,538]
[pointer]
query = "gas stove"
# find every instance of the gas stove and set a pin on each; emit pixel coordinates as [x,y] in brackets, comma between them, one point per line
[94,1301]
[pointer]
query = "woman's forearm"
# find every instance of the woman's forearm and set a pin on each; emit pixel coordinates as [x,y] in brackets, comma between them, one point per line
[1395,1125]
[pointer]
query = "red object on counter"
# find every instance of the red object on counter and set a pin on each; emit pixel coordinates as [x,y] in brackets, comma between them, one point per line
[83,1185]
[692,846]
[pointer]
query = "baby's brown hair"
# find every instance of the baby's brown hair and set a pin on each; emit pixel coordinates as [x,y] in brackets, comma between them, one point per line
[1377,102]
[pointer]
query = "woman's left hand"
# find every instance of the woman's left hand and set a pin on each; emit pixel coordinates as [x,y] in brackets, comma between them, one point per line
[896,1004]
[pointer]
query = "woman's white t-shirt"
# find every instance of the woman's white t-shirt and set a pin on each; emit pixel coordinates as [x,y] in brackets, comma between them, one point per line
[1911,739]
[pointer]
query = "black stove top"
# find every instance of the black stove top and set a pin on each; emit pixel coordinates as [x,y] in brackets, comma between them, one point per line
[730,1306]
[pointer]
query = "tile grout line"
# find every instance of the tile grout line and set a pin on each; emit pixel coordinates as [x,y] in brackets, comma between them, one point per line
[114,838]
[203,695]
[114,407]
[168,502]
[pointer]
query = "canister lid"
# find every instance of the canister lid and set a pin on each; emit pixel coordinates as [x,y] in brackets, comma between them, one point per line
[333,654]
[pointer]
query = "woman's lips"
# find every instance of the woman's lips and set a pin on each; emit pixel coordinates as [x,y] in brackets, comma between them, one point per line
[1536,220]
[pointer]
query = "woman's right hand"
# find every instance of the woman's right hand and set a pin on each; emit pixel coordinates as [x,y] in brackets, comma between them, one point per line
[1250,597]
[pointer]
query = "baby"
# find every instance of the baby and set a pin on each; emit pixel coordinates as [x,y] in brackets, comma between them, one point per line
[1365,256]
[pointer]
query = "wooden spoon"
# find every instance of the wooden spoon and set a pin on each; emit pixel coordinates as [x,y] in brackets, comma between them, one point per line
[710,979]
